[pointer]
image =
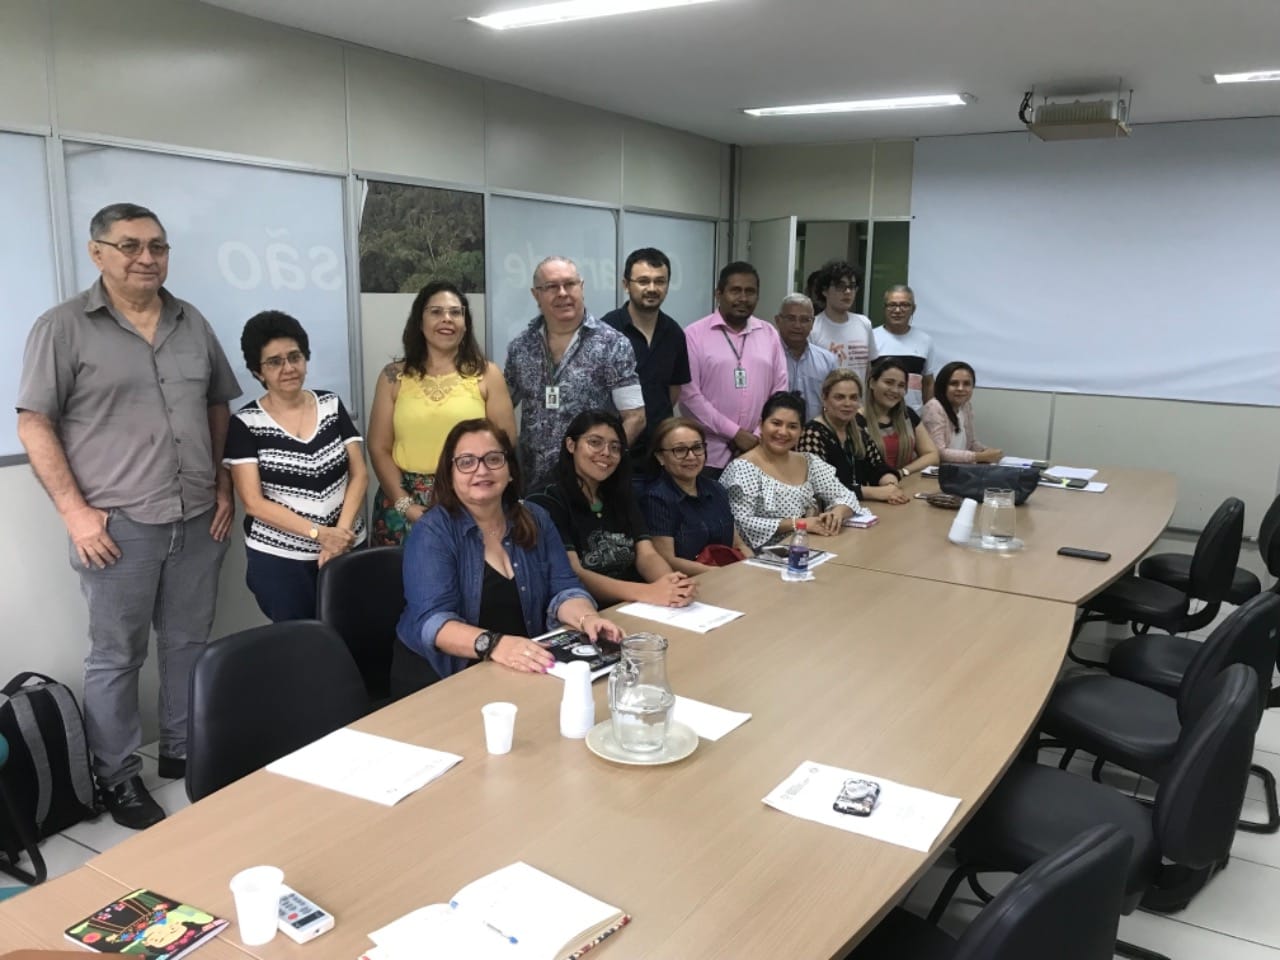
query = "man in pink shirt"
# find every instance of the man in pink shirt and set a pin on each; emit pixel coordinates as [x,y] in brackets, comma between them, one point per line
[736,362]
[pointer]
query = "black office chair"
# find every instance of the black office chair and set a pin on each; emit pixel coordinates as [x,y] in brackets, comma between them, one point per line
[1064,907]
[1137,727]
[361,595]
[1149,603]
[1174,569]
[262,693]
[1179,841]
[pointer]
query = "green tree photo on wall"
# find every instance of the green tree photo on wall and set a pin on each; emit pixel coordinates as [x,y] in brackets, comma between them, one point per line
[411,235]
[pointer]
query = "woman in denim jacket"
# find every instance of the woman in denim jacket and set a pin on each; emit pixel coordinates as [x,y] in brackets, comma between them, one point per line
[484,571]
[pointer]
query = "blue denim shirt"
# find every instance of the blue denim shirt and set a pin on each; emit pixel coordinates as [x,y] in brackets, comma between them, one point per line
[444,571]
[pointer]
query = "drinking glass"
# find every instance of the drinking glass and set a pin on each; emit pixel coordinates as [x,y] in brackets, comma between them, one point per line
[997,518]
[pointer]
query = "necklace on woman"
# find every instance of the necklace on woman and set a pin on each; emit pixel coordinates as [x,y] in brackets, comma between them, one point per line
[302,410]
[597,507]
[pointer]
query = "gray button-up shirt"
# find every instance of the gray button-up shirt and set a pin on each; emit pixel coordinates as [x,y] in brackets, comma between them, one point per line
[805,375]
[132,416]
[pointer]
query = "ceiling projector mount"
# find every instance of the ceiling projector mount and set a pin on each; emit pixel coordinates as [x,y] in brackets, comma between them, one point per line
[1079,114]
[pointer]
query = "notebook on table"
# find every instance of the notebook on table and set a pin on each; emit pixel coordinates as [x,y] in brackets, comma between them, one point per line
[146,924]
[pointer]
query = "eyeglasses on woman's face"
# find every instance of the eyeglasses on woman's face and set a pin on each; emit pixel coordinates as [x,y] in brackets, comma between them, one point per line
[683,451]
[470,463]
[295,358]
[597,444]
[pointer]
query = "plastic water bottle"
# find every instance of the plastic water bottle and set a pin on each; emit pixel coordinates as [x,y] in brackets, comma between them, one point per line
[797,567]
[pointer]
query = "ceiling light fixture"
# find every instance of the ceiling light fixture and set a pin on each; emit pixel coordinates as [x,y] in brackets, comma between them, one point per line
[573,10]
[858,106]
[1253,76]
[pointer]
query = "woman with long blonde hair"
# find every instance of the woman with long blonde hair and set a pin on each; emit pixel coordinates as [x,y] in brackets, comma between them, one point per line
[893,426]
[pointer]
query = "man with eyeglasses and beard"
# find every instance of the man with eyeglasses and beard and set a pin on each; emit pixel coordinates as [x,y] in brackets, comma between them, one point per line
[662,357]
[565,362]
[123,412]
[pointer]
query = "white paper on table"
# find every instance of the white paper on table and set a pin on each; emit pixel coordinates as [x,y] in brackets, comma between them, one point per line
[905,816]
[1071,473]
[707,721]
[365,766]
[929,471]
[698,617]
[1093,486]
[816,559]
[1018,462]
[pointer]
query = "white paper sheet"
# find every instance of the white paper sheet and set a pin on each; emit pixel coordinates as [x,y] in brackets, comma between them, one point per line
[1093,486]
[698,617]
[365,766]
[905,816]
[1072,473]
[1018,462]
[707,721]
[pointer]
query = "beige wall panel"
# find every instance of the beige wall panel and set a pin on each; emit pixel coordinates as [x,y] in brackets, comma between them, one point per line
[179,72]
[826,182]
[24,79]
[893,178]
[1016,421]
[543,145]
[1216,451]
[415,119]
[666,169]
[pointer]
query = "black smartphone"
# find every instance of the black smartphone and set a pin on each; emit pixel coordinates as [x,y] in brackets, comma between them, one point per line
[1083,554]
[857,798]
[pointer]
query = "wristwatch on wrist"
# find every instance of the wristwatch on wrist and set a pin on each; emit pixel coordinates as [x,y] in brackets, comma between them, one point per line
[403,504]
[905,473]
[485,642]
[314,532]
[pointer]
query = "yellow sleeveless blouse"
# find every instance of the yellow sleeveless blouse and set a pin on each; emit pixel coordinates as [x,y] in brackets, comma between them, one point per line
[426,410]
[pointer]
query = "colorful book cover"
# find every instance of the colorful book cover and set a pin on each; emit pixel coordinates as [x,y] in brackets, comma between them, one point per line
[145,924]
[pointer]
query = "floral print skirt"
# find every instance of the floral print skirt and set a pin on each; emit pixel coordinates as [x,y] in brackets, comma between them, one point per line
[390,526]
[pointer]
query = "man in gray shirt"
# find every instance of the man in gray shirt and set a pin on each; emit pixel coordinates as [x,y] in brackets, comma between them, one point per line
[122,409]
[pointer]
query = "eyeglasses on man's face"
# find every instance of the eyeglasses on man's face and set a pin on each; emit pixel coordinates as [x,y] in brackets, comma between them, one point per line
[133,248]
[843,287]
[470,463]
[685,451]
[295,358]
[596,444]
[568,286]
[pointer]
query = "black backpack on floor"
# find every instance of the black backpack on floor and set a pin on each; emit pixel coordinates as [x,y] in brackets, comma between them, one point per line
[47,784]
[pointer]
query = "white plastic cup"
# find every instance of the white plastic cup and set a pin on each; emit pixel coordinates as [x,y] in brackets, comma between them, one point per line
[499,726]
[257,894]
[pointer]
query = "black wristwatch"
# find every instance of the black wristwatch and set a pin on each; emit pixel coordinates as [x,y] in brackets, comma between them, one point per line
[485,643]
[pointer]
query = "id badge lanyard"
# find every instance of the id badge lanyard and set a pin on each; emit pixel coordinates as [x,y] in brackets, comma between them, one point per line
[739,371]
[551,397]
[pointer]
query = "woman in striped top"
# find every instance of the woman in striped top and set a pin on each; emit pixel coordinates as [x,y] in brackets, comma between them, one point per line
[298,466]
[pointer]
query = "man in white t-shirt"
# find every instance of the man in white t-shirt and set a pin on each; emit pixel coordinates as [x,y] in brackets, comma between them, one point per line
[847,335]
[914,347]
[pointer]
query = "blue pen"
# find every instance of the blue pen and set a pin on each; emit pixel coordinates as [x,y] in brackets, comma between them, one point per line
[505,936]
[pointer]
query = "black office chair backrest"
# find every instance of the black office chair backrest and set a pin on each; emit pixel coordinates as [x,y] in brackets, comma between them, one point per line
[361,595]
[1066,906]
[1269,539]
[261,693]
[1199,801]
[1217,552]
[1250,635]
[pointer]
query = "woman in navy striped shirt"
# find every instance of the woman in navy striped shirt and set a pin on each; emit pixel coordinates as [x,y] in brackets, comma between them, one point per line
[297,463]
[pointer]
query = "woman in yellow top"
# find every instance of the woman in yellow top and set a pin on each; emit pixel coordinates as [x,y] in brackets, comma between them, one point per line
[443,379]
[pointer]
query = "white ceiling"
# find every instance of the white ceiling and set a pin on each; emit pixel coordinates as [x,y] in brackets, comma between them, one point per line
[696,68]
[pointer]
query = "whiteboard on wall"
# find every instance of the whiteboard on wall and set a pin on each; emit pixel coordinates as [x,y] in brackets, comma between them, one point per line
[28,271]
[1143,267]
[244,239]
[690,245]
[524,232]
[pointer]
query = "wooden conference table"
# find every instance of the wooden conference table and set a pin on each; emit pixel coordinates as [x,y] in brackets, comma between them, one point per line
[929,683]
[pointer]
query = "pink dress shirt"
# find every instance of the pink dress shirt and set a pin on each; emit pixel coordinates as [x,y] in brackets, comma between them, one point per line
[710,396]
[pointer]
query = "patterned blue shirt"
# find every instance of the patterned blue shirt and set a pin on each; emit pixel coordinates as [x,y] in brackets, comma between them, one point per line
[692,522]
[598,362]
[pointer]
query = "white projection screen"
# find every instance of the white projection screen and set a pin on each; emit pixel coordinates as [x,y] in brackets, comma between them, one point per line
[244,239]
[1144,267]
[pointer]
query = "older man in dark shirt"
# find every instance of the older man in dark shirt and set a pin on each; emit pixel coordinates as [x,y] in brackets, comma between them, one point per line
[122,409]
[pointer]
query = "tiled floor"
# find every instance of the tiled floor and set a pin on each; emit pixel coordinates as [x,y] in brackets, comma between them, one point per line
[1233,918]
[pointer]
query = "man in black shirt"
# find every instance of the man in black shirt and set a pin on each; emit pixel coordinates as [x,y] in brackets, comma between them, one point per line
[662,359]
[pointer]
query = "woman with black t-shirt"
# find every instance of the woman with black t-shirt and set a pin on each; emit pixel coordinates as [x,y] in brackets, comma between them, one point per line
[596,514]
